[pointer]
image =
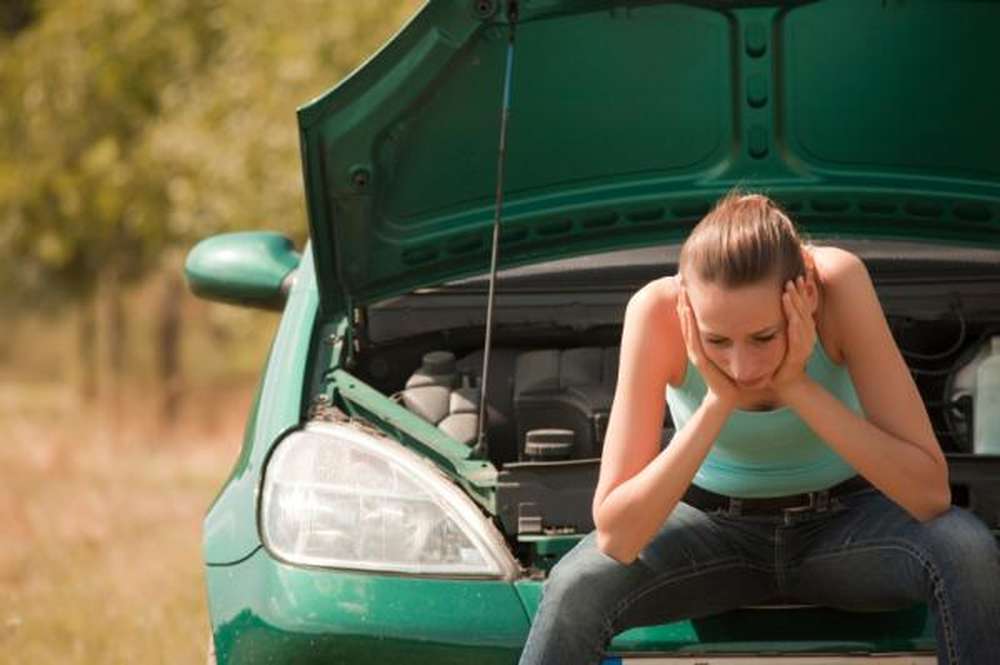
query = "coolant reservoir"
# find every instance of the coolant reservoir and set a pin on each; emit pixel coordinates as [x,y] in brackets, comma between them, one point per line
[428,390]
[986,414]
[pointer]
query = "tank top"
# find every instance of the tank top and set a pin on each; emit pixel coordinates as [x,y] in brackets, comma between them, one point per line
[768,453]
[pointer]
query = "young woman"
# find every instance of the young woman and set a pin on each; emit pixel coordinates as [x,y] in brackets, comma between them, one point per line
[804,467]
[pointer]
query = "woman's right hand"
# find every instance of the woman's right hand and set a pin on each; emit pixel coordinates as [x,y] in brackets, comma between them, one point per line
[719,385]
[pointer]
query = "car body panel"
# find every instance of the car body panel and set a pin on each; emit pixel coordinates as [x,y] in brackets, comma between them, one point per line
[628,121]
[230,526]
[266,611]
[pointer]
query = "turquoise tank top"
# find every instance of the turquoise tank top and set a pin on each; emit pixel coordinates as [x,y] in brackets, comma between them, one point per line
[768,453]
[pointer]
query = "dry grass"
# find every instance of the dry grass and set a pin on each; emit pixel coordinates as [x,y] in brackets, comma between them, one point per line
[100,526]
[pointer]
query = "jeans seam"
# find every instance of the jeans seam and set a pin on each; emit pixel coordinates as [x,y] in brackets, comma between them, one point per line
[951,644]
[779,574]
[628,601]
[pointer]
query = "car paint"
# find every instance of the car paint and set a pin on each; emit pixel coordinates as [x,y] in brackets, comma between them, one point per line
[267,611]
[629,119]
[230,527]
[250,268]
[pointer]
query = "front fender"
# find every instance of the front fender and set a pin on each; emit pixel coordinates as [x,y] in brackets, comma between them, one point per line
[230,530]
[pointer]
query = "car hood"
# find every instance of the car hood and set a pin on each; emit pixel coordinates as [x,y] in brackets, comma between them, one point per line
[629,119]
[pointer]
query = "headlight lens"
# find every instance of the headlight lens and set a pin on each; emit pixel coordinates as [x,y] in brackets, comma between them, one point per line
[338,496]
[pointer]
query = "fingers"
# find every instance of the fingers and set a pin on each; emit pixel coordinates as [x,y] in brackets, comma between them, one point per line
[800,323]
[688,327]
[794,295]
[682,319]
[682,315]
[798,295]
[793,319]
[790,299]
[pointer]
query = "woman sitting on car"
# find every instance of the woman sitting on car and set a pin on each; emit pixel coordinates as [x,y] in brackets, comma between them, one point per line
[804,468]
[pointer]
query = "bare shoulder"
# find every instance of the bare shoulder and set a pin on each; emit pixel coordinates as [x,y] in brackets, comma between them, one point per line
[657,298]
[833,261]
[844,281]
[652,315]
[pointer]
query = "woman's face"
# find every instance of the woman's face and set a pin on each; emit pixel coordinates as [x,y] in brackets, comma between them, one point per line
[742,330]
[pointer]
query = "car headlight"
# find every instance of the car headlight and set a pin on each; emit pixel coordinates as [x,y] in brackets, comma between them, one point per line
[335,495]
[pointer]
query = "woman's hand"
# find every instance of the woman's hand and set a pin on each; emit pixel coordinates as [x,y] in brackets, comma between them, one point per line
[721,386]
[801,337]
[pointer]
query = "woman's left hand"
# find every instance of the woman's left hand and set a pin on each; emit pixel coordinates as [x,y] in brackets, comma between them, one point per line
[801,337]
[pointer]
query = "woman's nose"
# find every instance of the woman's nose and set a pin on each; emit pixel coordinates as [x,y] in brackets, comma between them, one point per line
[745,367]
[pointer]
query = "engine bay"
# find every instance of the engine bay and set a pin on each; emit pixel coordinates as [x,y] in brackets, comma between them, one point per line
[555,357]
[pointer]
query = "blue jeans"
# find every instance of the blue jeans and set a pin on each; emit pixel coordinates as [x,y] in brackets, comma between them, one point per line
[864,552]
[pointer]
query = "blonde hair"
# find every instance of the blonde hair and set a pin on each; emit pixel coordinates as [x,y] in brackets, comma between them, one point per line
[744,240]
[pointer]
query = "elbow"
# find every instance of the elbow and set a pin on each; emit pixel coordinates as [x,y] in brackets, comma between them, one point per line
[611,550]
[935,500]
[934,505]
[928,514]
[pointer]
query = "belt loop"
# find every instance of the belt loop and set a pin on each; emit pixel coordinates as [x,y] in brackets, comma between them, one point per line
[822,500]
[735,507]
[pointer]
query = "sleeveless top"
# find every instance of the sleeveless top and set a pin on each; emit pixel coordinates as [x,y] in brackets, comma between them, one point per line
[768,453]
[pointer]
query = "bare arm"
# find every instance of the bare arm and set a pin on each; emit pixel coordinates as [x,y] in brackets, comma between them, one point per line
[893,444]
[639,485]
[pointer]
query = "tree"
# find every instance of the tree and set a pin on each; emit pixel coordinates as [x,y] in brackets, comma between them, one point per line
[129,127]
[80,87]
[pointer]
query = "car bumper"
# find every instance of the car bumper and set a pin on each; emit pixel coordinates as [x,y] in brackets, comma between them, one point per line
[815,659]
[266,611]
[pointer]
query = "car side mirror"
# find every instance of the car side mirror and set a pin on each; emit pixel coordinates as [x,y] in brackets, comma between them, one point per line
[250,268]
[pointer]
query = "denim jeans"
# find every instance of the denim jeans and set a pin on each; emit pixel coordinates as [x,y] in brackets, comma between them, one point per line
[863,552]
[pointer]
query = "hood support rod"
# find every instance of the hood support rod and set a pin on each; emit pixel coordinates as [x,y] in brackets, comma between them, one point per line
[481,448]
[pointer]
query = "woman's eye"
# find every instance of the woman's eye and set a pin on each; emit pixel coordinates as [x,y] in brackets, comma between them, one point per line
[764,339]
[716,342]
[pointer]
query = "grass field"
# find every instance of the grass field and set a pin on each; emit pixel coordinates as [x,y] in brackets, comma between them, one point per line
[100,516]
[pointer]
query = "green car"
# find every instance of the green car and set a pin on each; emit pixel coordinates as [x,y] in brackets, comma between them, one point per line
[369,517]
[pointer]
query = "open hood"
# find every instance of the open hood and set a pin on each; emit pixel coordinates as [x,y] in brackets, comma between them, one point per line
[630,118]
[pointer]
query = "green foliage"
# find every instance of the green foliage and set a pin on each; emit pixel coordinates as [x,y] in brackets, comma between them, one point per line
[131,126]
[80,88]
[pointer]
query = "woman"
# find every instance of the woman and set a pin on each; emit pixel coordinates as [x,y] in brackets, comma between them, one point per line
[804,467]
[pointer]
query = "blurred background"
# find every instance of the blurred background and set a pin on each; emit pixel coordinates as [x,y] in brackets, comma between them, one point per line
[130,129]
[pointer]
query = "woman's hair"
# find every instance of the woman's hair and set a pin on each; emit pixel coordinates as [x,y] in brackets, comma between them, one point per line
[745,239]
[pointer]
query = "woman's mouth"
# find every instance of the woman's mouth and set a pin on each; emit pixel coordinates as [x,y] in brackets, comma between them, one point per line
[753,383]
